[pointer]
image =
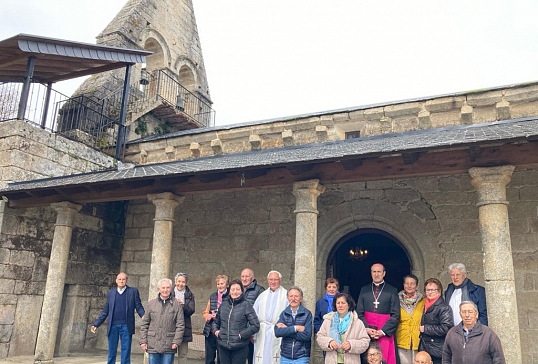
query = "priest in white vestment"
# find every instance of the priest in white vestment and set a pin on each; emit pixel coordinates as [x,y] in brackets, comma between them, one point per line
[268,306]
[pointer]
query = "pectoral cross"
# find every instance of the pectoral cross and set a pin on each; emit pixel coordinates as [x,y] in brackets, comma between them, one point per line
[376,303]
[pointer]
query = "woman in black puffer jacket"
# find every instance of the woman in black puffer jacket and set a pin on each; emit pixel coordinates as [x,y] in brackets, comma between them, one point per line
[185,298]
[436,321]
[235,323]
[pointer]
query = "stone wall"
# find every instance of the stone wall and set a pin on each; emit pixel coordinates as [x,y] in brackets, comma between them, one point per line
[434,218]
[458,109]
[28,152]
[94,261]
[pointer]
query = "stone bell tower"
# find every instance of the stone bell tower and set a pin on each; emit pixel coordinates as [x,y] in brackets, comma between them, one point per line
[170,91]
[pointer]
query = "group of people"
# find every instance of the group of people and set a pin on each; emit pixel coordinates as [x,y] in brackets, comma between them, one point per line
[166,327]
[246,323]
[410,327]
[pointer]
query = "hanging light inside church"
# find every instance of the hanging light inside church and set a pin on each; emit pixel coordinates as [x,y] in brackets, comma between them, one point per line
[357,253]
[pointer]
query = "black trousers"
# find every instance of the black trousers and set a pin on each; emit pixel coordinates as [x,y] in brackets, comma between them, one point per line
[250,352]
[211,349]
[237,356]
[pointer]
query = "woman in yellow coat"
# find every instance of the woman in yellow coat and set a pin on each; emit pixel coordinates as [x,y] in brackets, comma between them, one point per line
[411,309]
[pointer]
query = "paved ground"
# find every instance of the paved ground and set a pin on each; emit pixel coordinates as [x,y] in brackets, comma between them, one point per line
[92,356]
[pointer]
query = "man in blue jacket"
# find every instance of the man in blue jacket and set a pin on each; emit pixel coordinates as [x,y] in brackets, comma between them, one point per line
[463,289]
[294,326]
[121,303]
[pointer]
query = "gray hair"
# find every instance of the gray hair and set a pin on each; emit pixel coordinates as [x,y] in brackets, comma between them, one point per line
[165,280]
[469,303]
[374,346]
[184,275]
[297,289]
[274,271]
[458,266]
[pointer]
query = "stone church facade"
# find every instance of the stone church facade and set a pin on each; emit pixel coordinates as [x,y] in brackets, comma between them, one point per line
[446,179]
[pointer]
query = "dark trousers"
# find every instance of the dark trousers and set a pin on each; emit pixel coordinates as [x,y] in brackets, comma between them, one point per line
[211,349]
[250,352]
[237,356]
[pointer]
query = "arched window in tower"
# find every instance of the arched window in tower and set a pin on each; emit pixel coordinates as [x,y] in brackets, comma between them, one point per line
[156,60]
[186,78]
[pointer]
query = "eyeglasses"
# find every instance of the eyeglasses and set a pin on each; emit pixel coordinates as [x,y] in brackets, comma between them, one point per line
[465,312]
[431,290]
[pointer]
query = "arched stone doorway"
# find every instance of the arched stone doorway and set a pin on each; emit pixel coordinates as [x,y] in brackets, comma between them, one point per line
[353,272]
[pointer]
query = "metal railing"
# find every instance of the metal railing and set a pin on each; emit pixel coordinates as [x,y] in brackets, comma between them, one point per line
[159,86]
[80,118]
[96,122]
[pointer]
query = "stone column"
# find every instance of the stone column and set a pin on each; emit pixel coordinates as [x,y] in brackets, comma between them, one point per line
[498,265]
[54,288]
[165,204]
[306,231]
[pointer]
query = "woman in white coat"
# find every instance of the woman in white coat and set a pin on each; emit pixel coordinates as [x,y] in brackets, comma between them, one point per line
[342,335]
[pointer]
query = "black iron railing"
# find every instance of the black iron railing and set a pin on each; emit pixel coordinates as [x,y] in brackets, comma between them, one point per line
[96,122]
[160,87]
[79,118]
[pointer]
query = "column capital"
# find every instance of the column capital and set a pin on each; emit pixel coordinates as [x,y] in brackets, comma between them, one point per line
[65,212]
[490,182]
[165,204]
[306,195]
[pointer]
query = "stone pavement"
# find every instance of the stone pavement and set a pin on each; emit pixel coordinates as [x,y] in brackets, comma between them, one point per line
[90,356]
[94,356]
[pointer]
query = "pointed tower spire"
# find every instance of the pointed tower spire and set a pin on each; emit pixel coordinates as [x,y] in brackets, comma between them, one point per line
[174,74]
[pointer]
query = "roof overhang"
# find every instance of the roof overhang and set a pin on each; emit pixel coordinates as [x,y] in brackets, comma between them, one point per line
[58,60]
[432,152]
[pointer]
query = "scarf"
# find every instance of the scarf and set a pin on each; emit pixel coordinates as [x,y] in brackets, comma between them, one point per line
[219,299]
[409,303]
[339,326]
[180,294]
[464,290]
[429,303]
[329,299]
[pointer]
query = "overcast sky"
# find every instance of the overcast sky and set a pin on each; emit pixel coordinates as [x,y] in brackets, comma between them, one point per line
[275,58]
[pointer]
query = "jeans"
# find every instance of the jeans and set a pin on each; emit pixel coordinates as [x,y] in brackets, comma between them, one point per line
[119,332]
[303,360]
[161,358]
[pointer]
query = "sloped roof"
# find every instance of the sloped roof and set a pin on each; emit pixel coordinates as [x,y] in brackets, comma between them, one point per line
[524,129]
[58,60]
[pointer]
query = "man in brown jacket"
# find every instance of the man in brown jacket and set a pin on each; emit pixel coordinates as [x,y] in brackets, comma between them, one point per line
[162,326]
[471,342]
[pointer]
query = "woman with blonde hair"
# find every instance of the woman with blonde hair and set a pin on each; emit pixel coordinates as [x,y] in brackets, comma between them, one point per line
[210,312]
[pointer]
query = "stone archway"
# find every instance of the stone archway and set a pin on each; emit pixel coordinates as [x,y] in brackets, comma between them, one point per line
[186,78]
[335,232]
[156,60]
[353,271]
